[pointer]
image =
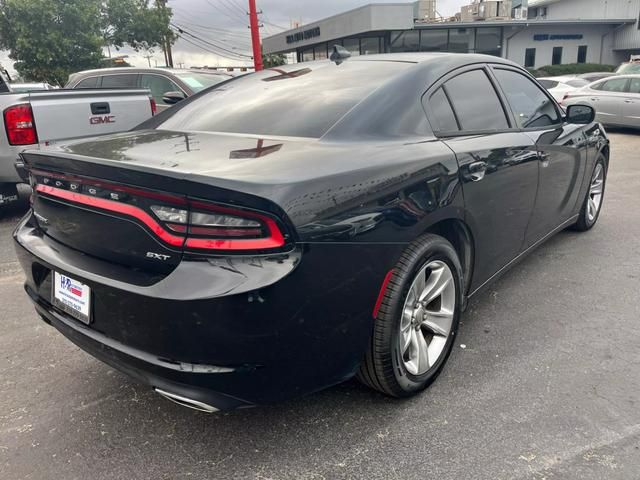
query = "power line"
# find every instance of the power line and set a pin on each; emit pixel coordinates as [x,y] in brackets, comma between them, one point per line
[213,44]
[209,50]
[203,29]
[227,12]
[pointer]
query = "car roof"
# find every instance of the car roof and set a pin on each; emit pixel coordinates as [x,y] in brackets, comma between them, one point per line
[173,71]
[561,78]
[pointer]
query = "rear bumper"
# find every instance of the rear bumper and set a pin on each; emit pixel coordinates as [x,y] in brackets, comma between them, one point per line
[227,332]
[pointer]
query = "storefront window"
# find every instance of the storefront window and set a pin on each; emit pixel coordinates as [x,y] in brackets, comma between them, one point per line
[370,45]
[353,45]
[406,41]
[320,52]
[433,40]
[307,55]
[461,40]
[489,41]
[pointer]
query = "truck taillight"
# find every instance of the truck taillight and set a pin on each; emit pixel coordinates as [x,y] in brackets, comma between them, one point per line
[21,129]
[154,107]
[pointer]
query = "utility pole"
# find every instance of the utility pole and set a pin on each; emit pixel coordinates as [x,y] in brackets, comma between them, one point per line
[255,35]
[166,45]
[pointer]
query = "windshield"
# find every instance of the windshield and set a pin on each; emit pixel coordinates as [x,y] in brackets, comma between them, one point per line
[625,68]
[302,100]
[200,81]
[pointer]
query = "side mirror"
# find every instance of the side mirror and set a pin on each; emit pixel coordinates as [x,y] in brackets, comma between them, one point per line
[171,98]
[580,114]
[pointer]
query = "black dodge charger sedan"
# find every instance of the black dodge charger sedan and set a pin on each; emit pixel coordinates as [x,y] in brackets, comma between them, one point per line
[284,231]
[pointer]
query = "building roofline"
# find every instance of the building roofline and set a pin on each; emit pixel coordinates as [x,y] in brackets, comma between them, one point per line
[526,23]
[362,7]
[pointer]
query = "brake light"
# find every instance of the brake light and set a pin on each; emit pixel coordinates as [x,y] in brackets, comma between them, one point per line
[154,107]
[178,221]
[214,227]
[21,129]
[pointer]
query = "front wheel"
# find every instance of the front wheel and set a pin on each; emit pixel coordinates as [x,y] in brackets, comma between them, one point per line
[592,204]
[417,320]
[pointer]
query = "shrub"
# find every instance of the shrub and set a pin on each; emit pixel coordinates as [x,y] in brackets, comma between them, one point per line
[572,69]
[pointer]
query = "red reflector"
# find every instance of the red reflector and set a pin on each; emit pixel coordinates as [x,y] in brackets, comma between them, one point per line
[383,289]
[154,107]
[18,121]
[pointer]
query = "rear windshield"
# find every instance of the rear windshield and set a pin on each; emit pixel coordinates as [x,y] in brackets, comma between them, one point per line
[303,100]
[200,81]
[626,68]
[577,82]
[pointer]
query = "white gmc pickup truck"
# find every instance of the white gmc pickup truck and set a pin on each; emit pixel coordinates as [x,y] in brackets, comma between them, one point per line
[42,118]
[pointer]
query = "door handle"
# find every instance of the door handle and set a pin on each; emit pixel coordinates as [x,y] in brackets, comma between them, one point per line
[100,108]
[628,101]
[543,157]
[594,99]
[476,171]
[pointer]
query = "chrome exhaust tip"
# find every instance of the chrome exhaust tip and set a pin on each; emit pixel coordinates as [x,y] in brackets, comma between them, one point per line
[186,402]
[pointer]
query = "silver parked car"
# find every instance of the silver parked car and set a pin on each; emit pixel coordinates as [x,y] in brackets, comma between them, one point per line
[616,100]
[168,86]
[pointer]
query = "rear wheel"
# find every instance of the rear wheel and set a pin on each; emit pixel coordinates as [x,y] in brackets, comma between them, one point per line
[417,321]
[592,205]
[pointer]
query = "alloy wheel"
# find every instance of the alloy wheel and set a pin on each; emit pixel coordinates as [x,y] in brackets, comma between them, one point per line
[427,317]
[596,190]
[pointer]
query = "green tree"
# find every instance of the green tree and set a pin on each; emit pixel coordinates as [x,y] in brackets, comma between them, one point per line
[49,39]
[273,60]
[140,24]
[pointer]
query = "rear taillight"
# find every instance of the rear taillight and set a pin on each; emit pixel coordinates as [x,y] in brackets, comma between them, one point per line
[21,129]
[154,107]
[180,222]
[215,227]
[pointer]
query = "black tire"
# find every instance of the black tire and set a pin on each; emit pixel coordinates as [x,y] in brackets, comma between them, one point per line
[584,223]
[383,368]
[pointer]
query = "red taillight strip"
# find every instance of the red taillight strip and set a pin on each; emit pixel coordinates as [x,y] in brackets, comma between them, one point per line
[163,197]
[116,207]
[383,290]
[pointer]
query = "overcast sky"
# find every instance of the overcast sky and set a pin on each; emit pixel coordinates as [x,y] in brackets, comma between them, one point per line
[221,26]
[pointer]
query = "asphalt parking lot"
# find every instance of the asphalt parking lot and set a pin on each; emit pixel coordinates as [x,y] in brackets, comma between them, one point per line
[547,386]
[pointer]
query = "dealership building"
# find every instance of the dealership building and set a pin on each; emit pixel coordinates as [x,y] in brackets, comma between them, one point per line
[533,33]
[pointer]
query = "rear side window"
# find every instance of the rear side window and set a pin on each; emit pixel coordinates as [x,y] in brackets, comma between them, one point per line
[119,81]
[475,102]
[91,82]
[634,86]
[613,85]
[530,105]
[442,113]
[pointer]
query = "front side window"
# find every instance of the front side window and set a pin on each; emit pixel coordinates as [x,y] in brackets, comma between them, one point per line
[530,105]
[634,86]
[613,85]
[475,102]
[159,85]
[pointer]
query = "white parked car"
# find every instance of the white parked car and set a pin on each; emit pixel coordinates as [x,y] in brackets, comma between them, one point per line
[616,100]
[559,86]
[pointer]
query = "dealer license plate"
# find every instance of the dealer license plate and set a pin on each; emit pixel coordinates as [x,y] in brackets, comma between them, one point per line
[72,297]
